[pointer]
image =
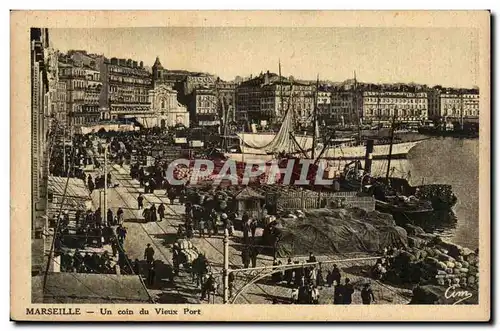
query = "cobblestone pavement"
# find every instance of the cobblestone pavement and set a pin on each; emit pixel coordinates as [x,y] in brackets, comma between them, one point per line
[162,235]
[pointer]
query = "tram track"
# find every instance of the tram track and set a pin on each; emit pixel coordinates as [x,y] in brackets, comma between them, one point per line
[130,183]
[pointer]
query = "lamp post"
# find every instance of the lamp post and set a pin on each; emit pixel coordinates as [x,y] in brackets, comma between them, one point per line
[105,211]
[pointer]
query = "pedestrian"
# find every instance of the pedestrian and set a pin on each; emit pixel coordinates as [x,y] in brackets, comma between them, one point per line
[246,227]
[109,218]
[140,200]
[151,274]
[161,211]
[231,283]
[253,255]
[120,216]
[245,257]
[175,258]
[201,226]
[146,214]
[253,227]
[152,213]
[289,273]
[338,294]
[137,267]
[336,275]
[367,294]
[207,287]
[348,291]
[209,226]
[149,253]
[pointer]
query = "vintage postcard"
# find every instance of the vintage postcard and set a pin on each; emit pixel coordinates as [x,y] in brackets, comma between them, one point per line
[250,166]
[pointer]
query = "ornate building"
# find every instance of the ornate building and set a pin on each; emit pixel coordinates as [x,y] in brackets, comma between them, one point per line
[125,89]
[267,96]
[405,106]
[453,103]
[166,111]
[203,107]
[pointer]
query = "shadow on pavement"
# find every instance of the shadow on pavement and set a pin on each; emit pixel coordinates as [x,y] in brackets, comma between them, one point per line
[168,239]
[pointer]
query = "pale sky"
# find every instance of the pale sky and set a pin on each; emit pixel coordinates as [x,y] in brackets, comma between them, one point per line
[444,56]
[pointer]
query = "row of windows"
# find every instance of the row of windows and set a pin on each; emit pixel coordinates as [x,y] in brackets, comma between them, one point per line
[395,100]
[128,71]
[129,80]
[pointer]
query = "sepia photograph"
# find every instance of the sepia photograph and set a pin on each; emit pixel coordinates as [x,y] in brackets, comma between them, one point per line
[178,167]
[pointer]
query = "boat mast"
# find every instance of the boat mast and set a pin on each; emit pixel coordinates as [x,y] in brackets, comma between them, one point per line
[281,85]
[355,101]
[315,118]
[390,147]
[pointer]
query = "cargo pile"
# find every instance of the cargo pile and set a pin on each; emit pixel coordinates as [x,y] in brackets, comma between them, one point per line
[441,196]
[439,263]
[187,251]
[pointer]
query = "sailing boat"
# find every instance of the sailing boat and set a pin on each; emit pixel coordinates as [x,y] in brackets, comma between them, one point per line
[387,199]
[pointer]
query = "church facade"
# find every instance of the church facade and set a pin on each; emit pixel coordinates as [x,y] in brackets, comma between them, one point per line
[165,110]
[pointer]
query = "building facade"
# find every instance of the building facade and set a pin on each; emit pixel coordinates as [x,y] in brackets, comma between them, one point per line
[267,97]
[453,104]
[125,89]
[385,105]
[83,88]
[346,107]
[227,99]
[203,108]
[166,110]
[40,124]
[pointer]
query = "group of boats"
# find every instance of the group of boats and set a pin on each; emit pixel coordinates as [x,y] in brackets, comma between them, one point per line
[392,195]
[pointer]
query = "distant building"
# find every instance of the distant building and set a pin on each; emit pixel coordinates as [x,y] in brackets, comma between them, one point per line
[125,89]
[384,105]
[83,89]
[61,103]
[166,111]
[227,99]
[203,107]
[346,107]
[267,97]
[453,103]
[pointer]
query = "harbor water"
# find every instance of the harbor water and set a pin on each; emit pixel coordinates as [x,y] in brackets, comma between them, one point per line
[445,161]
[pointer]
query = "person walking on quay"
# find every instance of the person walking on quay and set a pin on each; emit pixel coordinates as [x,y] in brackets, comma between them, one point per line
[253,255]
[289,273]
[336,275]
[151,274]
[246,227]
[201,227]
[149,253]
[109,180]
[140,200]
[152,213]
[253,227]
[146,214]
[175,258]
[90,184]
[207,287]
[367,294]
[338,294]
[109,218]
[161,211]
[121,233]
[348,291]
[210,226]
[120,216]
[245,257]
[231,284]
